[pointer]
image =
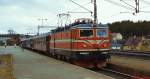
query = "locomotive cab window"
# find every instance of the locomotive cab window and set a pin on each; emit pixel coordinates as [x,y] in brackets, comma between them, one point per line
[86,33]
[102,32]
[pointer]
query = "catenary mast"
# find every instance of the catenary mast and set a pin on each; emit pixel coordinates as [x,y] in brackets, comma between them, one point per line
[95,14]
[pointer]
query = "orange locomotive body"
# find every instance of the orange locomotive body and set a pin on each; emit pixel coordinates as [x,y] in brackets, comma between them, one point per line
[81,43]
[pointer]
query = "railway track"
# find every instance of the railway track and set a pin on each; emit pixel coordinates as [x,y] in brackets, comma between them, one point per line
[112,73]
[120,75]
[131,53]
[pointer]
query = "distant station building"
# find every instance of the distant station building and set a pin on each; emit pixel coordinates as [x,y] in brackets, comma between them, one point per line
[116,41]
[11,39]
[3,40]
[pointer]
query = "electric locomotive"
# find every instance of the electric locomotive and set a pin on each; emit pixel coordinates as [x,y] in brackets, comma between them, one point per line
[81,43]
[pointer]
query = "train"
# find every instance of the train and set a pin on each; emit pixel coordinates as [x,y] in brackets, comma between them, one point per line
[79,43]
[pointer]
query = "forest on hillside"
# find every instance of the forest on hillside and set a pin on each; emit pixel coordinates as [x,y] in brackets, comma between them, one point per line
[130,28]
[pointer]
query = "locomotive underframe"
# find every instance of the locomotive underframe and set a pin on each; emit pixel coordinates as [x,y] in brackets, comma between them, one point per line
[88,59]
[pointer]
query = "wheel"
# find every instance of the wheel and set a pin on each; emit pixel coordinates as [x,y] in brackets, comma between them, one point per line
[100,65]
[63,57]
[58,56]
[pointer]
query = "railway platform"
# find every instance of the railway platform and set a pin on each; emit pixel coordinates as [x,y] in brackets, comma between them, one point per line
[5,65]
[29,65]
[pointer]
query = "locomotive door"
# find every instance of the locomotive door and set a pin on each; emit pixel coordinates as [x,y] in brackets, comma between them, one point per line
[71,40]
[54,44]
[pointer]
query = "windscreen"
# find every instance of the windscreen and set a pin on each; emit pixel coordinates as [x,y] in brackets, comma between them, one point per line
[86,33]
[102,32]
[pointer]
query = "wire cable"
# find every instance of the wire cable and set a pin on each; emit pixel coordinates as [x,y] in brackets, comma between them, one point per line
[72,11]
[118,14]
[115,3]
[146,2]
[145,11]
[145,7]
[127,3]
[81,6]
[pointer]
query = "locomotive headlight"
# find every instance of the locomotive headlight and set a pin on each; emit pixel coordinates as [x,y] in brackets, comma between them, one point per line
[84,53]
[104,52]
[105,45]
[84,46]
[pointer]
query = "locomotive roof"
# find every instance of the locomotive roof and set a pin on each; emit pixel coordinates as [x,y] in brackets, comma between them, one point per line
[78,25]
[91,26]
[40,36]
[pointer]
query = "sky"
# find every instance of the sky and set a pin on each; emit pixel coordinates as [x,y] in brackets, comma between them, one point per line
[23,16]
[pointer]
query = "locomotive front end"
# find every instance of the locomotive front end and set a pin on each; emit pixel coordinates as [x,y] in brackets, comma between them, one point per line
[91,45]
[93,39]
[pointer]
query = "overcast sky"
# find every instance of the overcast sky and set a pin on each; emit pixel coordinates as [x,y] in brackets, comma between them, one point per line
[23,15]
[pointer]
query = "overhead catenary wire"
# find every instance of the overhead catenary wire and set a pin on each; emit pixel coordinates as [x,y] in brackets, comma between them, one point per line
[130,7]
[145,11]
[118,14]
[146,2]
[123,6]
[127,3]
[113,15]
[76,12]
[92,12]
[145,7]
[81,6]
[73,10]
[60,18]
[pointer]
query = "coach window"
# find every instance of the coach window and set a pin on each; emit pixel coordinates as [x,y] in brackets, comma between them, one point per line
[86,33]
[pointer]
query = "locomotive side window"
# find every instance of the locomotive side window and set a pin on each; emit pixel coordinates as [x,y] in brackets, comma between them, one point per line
[101,32]
[86,33]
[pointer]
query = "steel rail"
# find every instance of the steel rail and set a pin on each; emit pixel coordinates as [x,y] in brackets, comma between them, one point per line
[131,53]
[120,73]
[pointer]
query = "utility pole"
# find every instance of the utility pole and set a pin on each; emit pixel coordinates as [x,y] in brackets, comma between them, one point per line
[42,22]
[95,14]
[11,31]
[63,19]
[137,6]
[89,11]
